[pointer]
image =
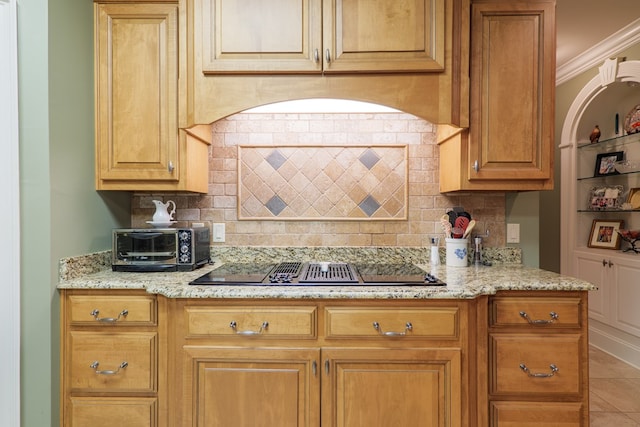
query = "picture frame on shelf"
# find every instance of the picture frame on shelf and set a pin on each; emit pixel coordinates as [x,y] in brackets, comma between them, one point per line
[605,163]
[634,198]
[604,198]
[604,234]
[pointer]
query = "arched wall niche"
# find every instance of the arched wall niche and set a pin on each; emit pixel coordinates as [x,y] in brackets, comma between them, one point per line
[616,87]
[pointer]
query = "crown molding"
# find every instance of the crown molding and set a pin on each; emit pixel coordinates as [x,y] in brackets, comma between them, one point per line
[611,46]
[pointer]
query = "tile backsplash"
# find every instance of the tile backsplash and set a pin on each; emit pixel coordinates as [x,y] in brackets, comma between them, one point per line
[424,204]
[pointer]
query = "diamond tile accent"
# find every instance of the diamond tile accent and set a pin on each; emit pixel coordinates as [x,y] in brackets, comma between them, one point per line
[323,182]
[369,205]
[369,158]
[276,205]
[276,159]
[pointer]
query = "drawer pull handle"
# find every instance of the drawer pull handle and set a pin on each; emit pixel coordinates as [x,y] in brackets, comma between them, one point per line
[553,315]
[96,312]
[234,325]
[526,370]
[95,364]
[408,327]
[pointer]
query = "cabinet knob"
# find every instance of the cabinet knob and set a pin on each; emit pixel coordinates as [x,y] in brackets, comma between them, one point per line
[476,166]
[171,167]
[327,55]
[607,263]
[316,56]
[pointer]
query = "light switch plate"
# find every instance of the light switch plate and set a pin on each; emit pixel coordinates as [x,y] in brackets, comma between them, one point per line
[513,233]
[218,232]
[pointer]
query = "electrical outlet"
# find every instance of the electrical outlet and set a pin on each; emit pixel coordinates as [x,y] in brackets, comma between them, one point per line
[513,233]
[218,232]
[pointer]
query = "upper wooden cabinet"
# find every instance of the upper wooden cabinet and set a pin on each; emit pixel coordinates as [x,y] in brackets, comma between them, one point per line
[411,55]
[138,145]
[509,144]
[314,36]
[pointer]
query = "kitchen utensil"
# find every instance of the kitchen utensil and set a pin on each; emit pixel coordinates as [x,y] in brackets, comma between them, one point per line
[457,232]
[469,228]
[462,222]
[452,217]
[446,226]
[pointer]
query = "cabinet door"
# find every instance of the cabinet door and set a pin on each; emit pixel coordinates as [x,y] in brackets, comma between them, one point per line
[136,92]
[387,35]
[247,36]
[594,268]
[251,387]
[625,295]
[512,90]
[380,388]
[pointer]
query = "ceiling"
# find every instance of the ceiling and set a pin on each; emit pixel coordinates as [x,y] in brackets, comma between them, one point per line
[581,24]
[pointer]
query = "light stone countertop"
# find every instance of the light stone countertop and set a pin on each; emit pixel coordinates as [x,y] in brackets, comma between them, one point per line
[462,283]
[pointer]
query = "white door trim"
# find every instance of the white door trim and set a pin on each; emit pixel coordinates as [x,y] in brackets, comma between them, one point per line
[9,217]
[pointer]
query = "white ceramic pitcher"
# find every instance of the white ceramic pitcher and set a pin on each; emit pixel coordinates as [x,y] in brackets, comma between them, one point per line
[163,214]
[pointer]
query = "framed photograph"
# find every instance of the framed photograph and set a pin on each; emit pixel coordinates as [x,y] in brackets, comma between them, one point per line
[634,198]
[605,163]
[604,198]
[604,234]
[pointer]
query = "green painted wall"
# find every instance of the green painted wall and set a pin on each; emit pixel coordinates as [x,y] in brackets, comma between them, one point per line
[61,214]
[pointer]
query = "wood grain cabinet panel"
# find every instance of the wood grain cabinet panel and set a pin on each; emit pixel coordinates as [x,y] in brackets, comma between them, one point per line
[532,312]
[112,310]
[315,36]
[265,322]
[373,387]
[532,414]
[352,322]
[109,412]
[251,387]
[113,362]
[509,142]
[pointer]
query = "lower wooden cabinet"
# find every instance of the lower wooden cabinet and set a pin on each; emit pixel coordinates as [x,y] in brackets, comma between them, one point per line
[259,364]
[516,358]
[250,386]
[538,359]
[111,366]
[387,387]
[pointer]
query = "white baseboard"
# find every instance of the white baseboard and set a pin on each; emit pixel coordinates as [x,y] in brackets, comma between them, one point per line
[615,343]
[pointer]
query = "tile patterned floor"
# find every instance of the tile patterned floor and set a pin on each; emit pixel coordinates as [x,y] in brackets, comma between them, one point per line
[614,391]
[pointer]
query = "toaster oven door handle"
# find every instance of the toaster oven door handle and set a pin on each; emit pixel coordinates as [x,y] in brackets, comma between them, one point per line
[147,254]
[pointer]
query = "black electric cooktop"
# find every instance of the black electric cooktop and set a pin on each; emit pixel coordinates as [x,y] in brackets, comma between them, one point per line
[317,274]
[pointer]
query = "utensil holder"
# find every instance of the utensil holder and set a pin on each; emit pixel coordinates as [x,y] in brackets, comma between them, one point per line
[457,252]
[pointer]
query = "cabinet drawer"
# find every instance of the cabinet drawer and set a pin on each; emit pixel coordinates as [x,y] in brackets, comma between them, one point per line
[271,322]
[107,411]
[536,312]
[522,364]
[343,322]
[532,414]
[135,310]
[111,351]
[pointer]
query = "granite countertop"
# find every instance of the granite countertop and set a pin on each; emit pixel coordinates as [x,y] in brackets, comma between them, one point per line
[462,283]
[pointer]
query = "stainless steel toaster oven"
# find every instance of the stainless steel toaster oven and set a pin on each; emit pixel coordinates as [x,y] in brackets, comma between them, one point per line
[160,249]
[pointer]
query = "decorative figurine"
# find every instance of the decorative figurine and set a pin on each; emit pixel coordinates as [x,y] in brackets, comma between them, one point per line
[595,135]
